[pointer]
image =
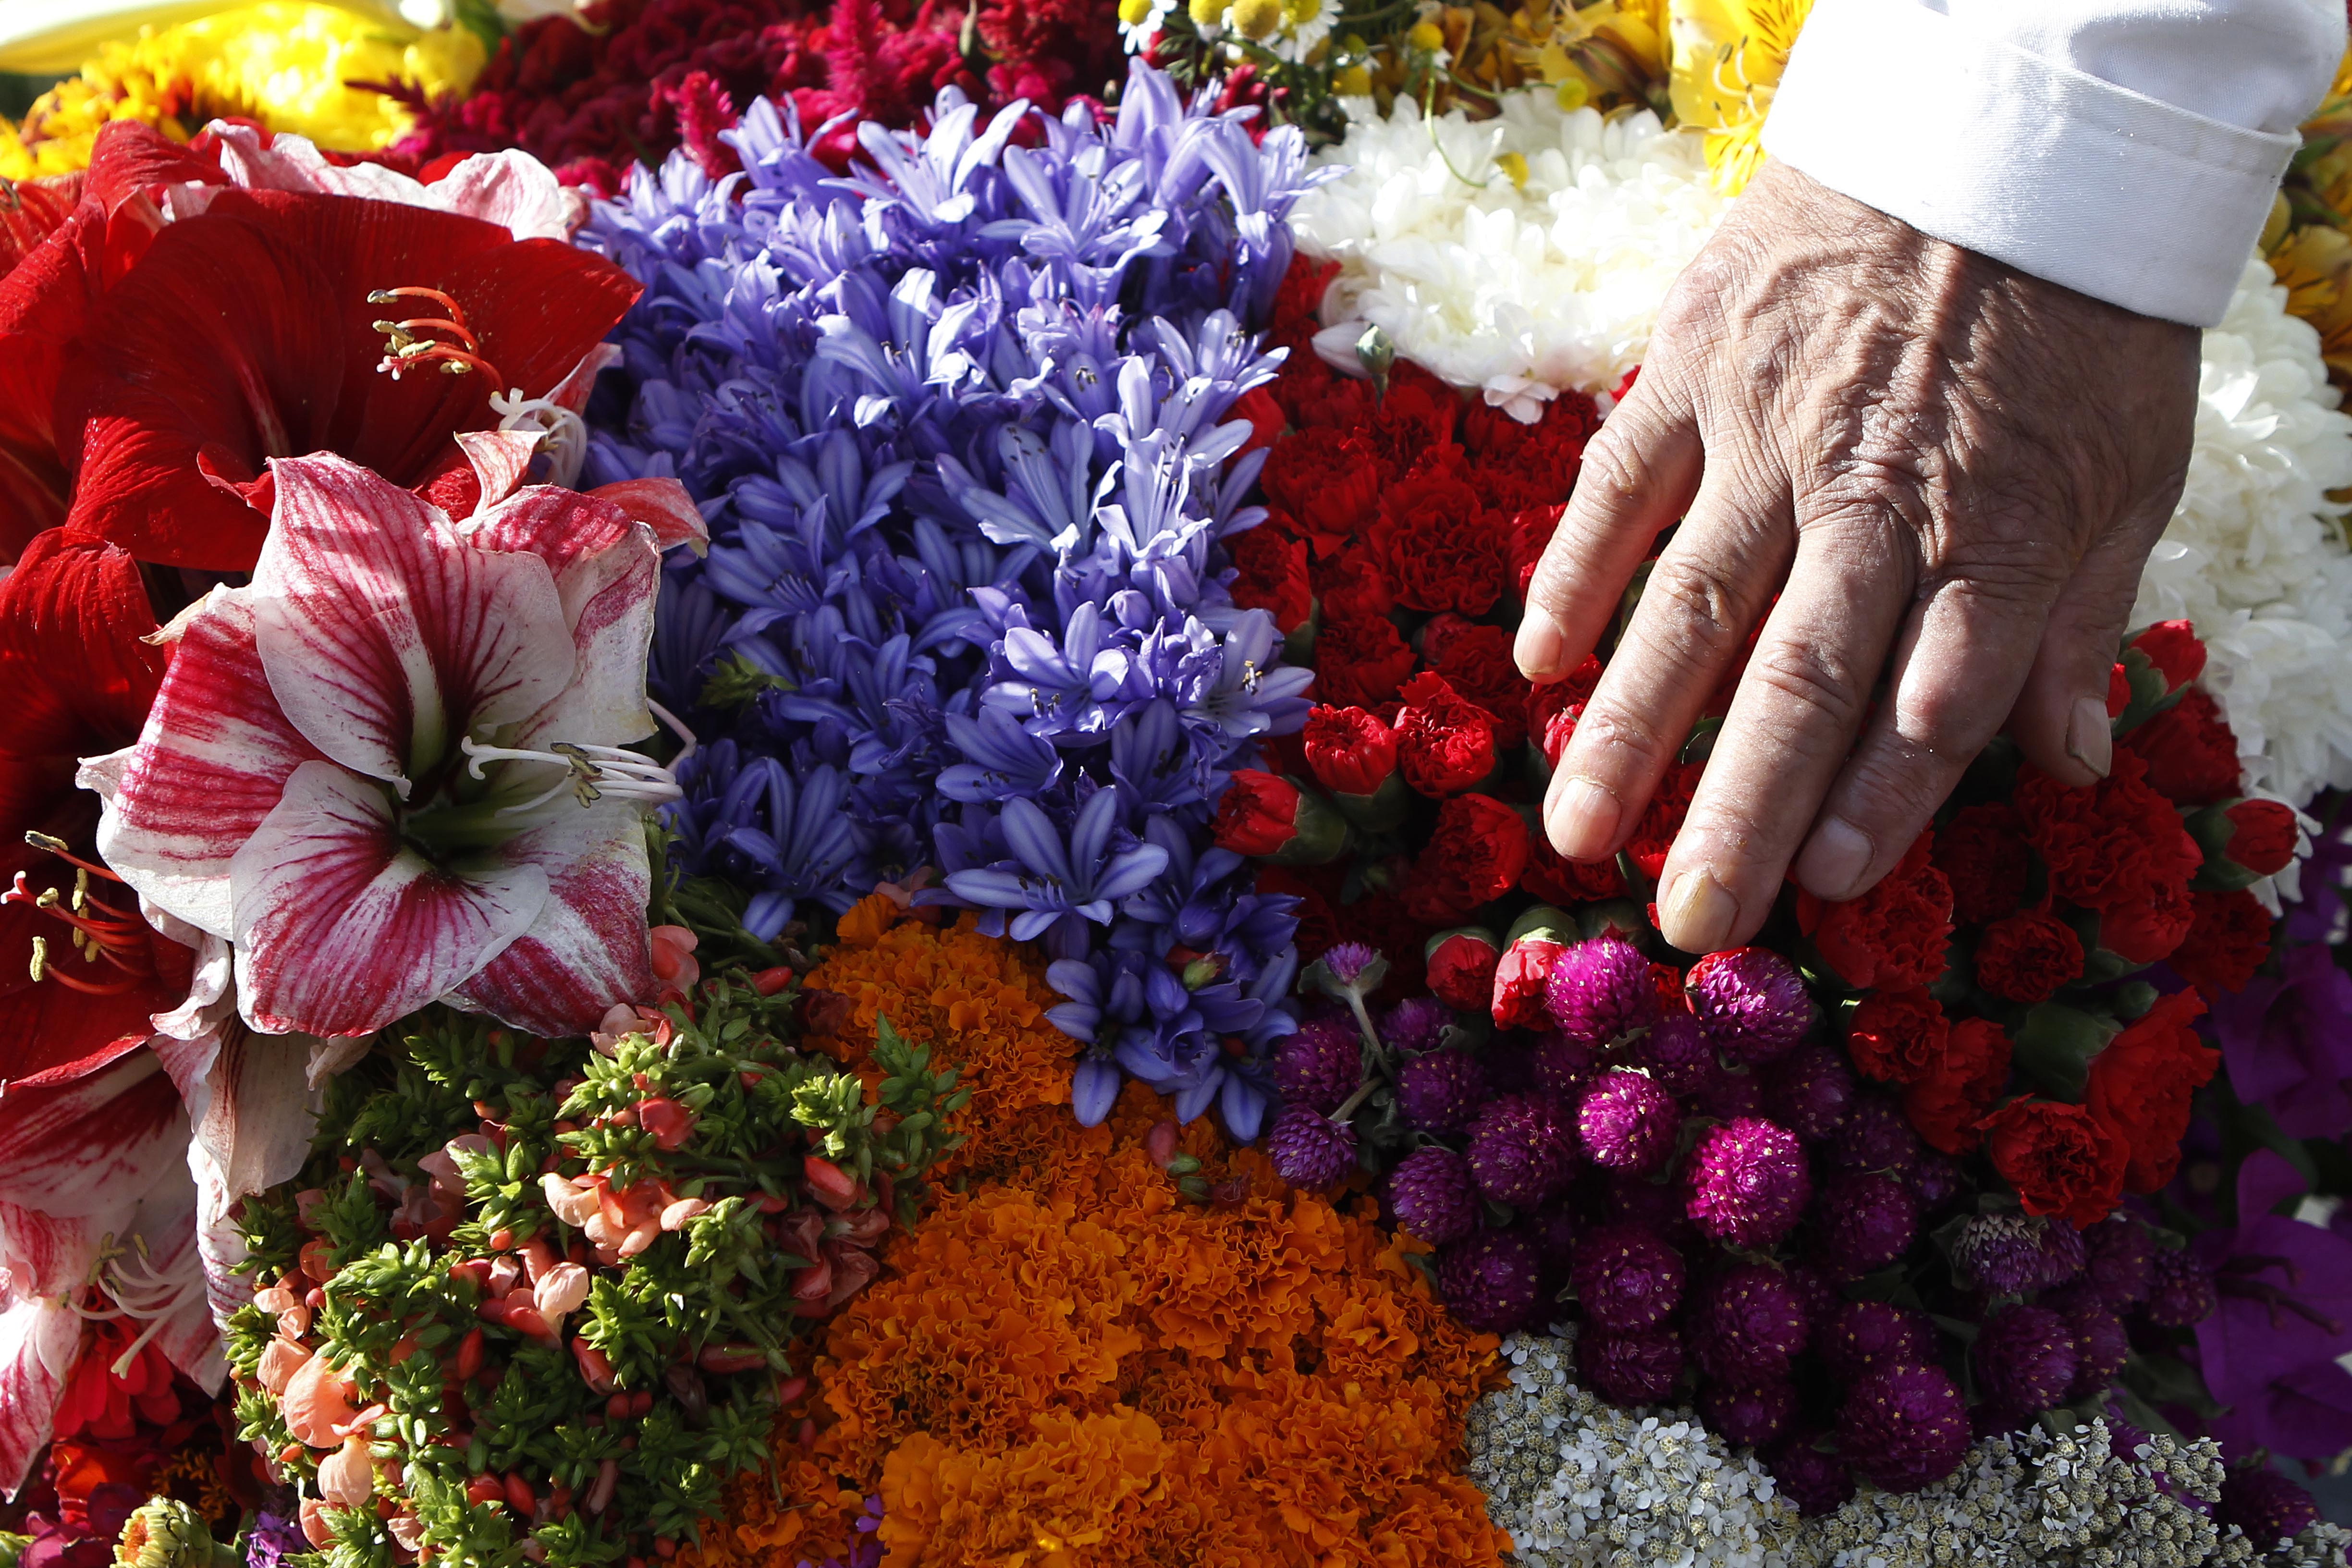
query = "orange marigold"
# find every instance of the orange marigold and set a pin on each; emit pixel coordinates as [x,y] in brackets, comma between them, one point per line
[1068,1363]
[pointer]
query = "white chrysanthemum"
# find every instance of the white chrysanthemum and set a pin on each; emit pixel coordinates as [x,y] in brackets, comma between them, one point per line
[1515,287]
[2254,555]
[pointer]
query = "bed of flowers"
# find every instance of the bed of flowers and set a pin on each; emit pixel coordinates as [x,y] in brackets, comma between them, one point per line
[766,805]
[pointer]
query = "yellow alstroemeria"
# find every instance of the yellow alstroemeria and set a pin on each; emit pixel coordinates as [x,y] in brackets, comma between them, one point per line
[282,63]
[1727,59]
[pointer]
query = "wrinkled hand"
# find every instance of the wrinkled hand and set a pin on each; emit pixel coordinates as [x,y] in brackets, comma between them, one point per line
[1921,451]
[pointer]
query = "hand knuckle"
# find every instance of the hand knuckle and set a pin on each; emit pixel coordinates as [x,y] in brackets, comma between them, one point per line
[1816,681]
[1701,601]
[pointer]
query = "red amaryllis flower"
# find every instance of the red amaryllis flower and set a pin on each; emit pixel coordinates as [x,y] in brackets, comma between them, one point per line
[389,772]
[77,966]
[165,365]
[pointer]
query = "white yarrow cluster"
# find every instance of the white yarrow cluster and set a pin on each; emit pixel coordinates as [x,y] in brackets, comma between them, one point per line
[2255,555]
[1519,288]
[1578,1483]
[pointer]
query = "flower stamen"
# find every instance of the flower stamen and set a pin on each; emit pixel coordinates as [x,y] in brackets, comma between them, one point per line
[100,931]
[592,773]
[410,344]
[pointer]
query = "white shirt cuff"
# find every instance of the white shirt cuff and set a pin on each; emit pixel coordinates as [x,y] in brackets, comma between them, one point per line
[2063,176]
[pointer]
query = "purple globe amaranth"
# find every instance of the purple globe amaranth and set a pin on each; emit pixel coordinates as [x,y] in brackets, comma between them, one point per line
[1627,1122]
[1626,1277]
[1416,1025]
[2180,1291]
[1819,1296]
[1939,1182]
[1521,1150]
[1903,1427]
[2100,1347]
[1441,1091]
[1751,1002]
[1750,1418]
[1818,1482]
[1678,1054]
[1732,1094]
[1810,1091]
[2024,1359]
[1431,1194]
[1863,1221]
[1601,991]
[1309,1149]
[1489,1280]
[2012,1254]
[1319,1066]
[1637,1368]
[1348,960]
[2119,1260]
[1657,1207]
[2269,1507]
[1748,1182]
[1561,1065]
[1749,1325]
[1875,1136]
[1865,1337]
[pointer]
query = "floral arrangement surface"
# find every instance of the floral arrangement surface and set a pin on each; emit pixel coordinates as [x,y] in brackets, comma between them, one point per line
[768,808]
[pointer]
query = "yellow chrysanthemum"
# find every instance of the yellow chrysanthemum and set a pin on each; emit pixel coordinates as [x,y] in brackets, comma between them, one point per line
[1727,59]
[285,64]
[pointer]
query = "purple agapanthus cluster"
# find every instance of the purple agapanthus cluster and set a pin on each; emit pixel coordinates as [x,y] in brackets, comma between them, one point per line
[959,423]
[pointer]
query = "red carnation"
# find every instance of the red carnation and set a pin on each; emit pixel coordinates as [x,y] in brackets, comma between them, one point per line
[1348,751]
[1298,304]
[1351,584]
[1316,888]
[2151,928]
[2141,1085]
[1411,427]
[1552,711]
[2265,836]
[1327,481]
[1654,836]
[1522,980]
[1531,532]
[1948,1102]
[2114,846]
[1257,814]
[1553,880]
[1474,854]
[2190,752]
[1477,662]
[1360,661]
[1982,854]
[2060,1158]
[1897,1037]
[1440,546]
[2172,646]
[1462,968]
[1893,936]
[2028,956]
[2228,942]
[1444,744]
[1270,575]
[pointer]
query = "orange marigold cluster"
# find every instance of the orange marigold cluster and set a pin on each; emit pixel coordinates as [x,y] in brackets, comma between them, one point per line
[1069,1364]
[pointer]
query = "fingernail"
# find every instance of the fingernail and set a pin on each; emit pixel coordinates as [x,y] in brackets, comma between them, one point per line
[2090,740]
[1697,912]
[1835,858]
[1538,645]
[1584,823]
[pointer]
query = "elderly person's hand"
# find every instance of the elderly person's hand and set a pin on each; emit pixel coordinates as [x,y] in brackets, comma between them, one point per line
[1925,454]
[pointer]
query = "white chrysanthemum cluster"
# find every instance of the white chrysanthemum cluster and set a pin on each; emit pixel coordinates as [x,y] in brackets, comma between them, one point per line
[1578,1483]
[1520,254]
[2255,557]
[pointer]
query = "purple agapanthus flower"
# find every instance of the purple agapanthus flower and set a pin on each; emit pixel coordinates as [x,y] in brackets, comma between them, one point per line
[963,426]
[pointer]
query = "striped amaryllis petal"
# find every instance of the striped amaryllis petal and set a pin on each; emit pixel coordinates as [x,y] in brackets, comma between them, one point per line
[662,505]
[89,1139]
[606,569]
[39,1338]
[500,459]
[386,636]
[343,928]
[588,948]
[209,765]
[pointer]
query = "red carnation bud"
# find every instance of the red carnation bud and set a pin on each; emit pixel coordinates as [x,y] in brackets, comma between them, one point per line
[2172,646]
[2265,836]
[1265,814]
[1522,976]
[1349,751]
[2118,690]
[1462,966]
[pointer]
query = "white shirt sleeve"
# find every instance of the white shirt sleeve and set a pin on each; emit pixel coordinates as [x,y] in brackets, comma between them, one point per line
[2127,149]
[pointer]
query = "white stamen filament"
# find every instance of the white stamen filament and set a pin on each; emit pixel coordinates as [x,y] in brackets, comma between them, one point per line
[137,1288]
[591,773]
[564,435]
